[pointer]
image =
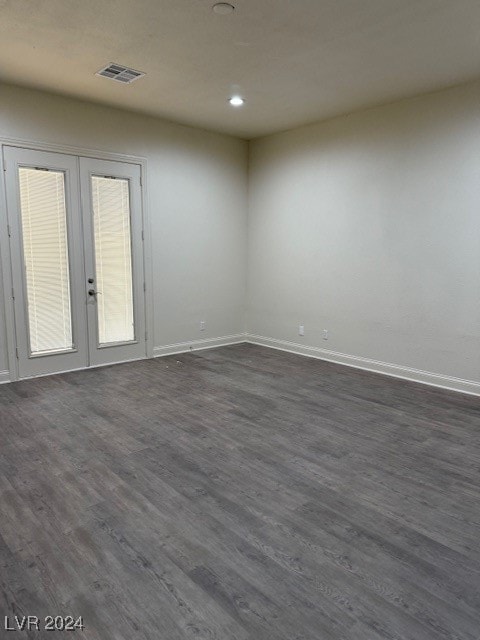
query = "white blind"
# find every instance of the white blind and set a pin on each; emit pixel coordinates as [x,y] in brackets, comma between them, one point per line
[113,259]
[45,250]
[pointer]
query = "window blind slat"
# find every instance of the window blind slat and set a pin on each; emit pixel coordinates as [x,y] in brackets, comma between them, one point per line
[45,250]
[113,259]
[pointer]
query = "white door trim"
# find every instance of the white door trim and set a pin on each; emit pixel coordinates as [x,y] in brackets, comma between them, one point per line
[5,257]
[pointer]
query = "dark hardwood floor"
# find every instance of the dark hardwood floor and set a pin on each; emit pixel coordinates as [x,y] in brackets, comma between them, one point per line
[240,493]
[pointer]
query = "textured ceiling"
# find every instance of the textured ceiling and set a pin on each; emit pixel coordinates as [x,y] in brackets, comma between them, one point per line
[295,61]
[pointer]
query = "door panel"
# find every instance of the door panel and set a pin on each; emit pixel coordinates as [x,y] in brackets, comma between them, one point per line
[112,215]
[47,261]
[76,238]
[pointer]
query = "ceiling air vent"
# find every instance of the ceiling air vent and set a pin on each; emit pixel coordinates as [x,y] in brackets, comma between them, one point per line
[119,73]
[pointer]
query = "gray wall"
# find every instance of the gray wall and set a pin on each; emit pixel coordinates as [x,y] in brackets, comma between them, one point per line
[196,200]
[366,225]
[369,226]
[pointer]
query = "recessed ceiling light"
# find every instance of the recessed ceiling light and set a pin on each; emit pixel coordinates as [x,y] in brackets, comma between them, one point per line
[236,101]
[223,8]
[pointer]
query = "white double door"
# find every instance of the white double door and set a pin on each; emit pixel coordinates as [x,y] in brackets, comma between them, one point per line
[76,239]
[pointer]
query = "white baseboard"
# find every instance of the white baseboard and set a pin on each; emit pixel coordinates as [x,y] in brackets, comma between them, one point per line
[196,345]
[396,371]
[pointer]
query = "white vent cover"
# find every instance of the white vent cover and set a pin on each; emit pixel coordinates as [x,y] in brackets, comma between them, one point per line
[120,73]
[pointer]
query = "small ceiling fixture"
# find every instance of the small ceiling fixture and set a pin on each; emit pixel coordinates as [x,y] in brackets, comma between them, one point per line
[236,101]
[223,8]
[120,73]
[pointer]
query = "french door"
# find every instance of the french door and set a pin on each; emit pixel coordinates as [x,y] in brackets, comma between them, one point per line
[76,238]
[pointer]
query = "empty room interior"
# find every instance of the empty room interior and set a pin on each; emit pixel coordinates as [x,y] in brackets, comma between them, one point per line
[240,319]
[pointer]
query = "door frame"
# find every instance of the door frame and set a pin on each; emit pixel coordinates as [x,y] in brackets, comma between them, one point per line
[6,275]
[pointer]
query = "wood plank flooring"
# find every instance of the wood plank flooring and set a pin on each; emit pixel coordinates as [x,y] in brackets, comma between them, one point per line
[240,493]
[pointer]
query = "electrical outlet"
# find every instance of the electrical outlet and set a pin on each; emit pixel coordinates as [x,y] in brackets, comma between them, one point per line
[202,325]
[325,334]
[301,330]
